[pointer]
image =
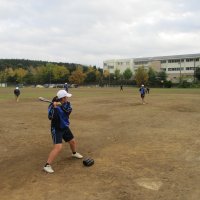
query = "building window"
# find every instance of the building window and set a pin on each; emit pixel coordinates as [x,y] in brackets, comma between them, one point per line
[141,63]
[189,68]
[189,59]
[175,61]
[105,64]
[110,67]
[176,69]
[163,61]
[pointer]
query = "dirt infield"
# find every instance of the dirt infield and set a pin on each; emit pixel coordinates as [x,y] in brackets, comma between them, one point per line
[148,152]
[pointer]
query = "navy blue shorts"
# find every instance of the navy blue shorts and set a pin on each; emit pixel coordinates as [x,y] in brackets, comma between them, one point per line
[58,135]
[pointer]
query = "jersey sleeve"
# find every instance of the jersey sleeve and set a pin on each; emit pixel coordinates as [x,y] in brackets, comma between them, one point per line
[67,108]
[50,111]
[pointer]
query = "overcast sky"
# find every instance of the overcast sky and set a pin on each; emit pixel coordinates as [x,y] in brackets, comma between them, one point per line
[90,31]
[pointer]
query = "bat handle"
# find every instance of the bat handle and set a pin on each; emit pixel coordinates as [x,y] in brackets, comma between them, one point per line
[57,103]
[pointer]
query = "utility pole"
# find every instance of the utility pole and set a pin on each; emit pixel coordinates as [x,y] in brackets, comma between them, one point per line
[194,70]
[109,78]
[180,72]
[50,75]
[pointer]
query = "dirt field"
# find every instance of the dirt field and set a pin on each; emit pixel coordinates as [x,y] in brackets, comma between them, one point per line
[141,152]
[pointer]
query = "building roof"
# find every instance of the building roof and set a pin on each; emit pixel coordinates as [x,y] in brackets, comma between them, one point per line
[167,57]
[158,58]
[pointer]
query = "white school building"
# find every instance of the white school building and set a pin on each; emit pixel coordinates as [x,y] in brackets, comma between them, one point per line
[176,66]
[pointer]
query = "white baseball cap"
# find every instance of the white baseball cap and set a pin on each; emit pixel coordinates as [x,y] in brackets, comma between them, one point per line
[63,93]
[17,88]
[142,85]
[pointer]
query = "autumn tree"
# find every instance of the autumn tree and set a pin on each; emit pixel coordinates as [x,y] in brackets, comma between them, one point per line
[42,75]
[98,75]
[106,74]
[77,76]
[141,76]
[4,74]
[20,73]
[9,75]
[59,74]
[2,77]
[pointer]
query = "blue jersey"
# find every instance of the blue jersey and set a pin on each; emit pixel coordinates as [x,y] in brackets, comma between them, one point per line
[59,116]
[142,90]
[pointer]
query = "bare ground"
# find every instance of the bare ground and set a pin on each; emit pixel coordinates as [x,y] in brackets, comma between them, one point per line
[148,152]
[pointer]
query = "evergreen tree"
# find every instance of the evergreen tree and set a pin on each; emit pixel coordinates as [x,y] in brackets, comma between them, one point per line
[152,77]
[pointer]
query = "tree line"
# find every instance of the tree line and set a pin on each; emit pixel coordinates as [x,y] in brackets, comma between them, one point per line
[17,71]
[25,64]
[20,71]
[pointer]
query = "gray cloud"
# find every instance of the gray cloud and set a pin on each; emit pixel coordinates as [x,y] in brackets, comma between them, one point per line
[91,31]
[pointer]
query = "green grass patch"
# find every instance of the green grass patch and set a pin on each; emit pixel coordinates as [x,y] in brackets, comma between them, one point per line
[84,92]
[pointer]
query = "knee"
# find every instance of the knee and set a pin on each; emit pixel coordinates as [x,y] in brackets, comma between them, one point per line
[58,147]
[72,142]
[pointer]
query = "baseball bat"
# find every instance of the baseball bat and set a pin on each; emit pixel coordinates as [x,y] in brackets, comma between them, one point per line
[45,100]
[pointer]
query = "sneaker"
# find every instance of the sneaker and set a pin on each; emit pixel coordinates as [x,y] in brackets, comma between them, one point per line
[77,155]
[48,169]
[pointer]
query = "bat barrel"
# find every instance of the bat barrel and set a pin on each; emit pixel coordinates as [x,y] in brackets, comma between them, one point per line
[45,100]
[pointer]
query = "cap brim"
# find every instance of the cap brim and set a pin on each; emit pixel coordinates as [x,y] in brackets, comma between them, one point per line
[68,95]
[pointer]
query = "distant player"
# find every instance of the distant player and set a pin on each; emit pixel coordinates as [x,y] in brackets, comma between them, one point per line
[17,93]
[66,87]
[142,93]
[121,87]
[147,90]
